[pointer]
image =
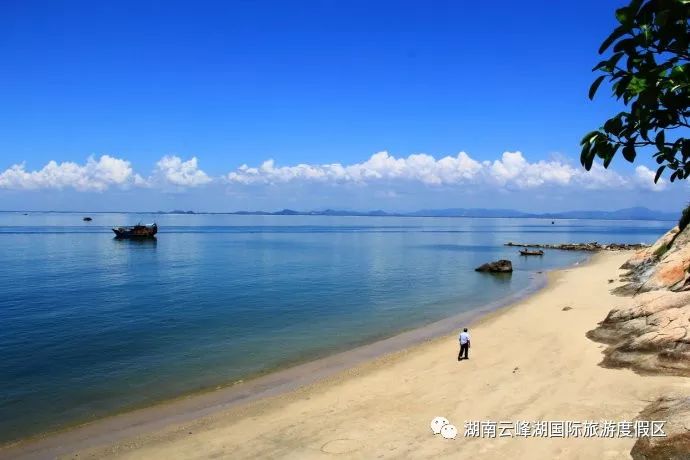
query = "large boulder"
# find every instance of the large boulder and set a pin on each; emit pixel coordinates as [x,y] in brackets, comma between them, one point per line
[499,266]
[649,254]
[665,265]
[675,445]
[671,271]
[652,336]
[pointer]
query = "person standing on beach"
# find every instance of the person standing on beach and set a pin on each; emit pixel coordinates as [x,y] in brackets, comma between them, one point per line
[464,344]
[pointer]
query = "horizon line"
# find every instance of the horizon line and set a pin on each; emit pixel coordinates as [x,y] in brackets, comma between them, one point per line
[334,212]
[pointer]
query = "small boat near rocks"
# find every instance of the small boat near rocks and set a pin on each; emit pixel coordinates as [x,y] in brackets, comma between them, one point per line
[138,231]
[527,252]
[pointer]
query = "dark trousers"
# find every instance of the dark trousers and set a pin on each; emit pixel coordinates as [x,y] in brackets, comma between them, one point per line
[464,348]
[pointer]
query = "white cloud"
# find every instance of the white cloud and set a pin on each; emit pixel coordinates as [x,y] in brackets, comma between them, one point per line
[512,171]
[644,177]
[380,166]
[599,178]
[95,175]
[182,173]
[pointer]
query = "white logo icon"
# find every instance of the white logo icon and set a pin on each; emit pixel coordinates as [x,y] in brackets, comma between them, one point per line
[437,423]
[449,431]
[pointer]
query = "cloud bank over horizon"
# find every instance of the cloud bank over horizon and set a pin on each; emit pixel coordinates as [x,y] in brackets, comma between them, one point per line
[511,171]
[381,181]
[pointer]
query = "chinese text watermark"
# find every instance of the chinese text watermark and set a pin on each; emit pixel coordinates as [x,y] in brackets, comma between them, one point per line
[564,429]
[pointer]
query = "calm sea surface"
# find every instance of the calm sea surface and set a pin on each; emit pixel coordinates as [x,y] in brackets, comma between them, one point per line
[90,325]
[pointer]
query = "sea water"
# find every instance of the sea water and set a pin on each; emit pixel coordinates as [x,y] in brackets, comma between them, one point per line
[90,325]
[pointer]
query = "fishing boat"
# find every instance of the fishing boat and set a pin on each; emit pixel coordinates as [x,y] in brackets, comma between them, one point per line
[527,252]
[136,231]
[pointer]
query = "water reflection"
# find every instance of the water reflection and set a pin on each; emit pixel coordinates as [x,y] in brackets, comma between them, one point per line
[499,278]
[142,242]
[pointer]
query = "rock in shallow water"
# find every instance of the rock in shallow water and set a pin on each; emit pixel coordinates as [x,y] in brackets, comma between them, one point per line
[499,266]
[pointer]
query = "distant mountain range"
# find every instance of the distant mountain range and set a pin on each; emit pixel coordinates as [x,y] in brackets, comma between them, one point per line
[637,213]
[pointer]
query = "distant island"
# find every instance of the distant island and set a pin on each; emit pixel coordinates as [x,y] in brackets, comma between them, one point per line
[635,213]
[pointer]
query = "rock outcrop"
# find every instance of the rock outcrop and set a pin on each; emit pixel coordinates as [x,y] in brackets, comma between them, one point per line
[675,445]
[648,255]
[663,266]
[591,247]
[500,266]
[653,336]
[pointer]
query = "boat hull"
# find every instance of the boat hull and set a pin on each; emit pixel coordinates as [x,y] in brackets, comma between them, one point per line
[136,232]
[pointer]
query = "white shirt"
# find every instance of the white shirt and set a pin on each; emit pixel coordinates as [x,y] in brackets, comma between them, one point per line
[464,337]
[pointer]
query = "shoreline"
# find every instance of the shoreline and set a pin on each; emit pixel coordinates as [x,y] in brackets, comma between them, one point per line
[269,384]
[167,423]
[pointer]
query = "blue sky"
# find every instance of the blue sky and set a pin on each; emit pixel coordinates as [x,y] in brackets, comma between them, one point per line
[177,96]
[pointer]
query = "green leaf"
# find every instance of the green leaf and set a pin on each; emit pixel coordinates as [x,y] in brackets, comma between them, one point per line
[637,85]
[587,157]
[621,85]
[659,172]
[615,35]
[589,137]
[677,72]
[613,125]
[615,58]
[660,19]
[623,15]
[635,6]
[609,65]
[660,140]
[629,152]
[627,45]
[607,161]
[595,86]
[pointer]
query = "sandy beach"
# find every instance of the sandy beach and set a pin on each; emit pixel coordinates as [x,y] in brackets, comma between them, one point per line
[530,361]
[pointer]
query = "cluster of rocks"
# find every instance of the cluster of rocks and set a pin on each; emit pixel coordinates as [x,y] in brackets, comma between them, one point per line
[653,335]
[505,266]
[592,247]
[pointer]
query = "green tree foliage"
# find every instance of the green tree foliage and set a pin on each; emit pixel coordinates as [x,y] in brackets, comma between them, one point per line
[684,218]
[649,70]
